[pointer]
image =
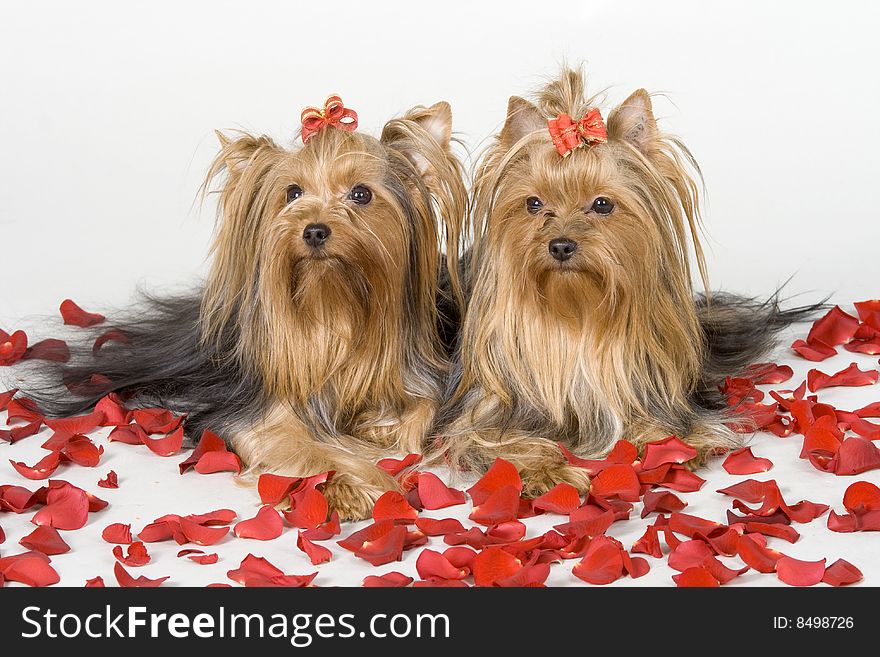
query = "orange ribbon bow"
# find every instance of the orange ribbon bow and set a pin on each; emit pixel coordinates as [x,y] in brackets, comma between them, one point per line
[334,113]
[567,135]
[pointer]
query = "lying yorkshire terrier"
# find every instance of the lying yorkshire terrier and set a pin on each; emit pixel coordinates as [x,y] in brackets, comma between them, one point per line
[315,343]
[582,325]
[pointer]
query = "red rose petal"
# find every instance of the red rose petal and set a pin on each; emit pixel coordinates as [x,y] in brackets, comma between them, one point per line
[602,563]
[275,488]
[393,579]
[209,442]
[114,411]
[95,583]
[862,496]
[815,352]
[842,573]
[764,373]
[6,397]
[110,481]
[661,501]
[168,445]
[326,530]
[494,564]
[24,410]
[695,576]
[310,509]
[127,581]
[41,469]
[434,494]
[757,556]
[108,336]
[391,505]
[317,554]
[136,555]
[432,564]
[12,347]
[835,328]
[30,568]
[379,543]
[502,474]
[395,466]
[117,533]
[668,450]
[850,376]
[617,481]
[218,462]
[46,540]
[563,498]
[500,506]
[52,350]
[432,527]
[80,424]
[17,433]
[743,462]
[67,507]
[130,434]
[199,534]
[856,455]
[795,572]
[265,526]
[83,451]
[75,316]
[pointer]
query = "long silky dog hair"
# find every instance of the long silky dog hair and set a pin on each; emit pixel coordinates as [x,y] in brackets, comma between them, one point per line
[582,324]
[316,342]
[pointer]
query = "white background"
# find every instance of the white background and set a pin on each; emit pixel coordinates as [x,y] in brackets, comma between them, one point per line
[107,112]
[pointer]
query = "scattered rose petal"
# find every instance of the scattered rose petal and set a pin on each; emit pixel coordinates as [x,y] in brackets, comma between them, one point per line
[127,581]
[117,533]
[795,572]
[842,573]
[75,316]
[265,526]
[850,376]
[393,579]
[317,554]
[434,494]
[136,554]
[743,462]
[46,540]
[110,481]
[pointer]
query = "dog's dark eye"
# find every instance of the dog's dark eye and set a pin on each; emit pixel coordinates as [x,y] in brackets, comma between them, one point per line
[602,205]
[534,204]
[360,195]
[293,193]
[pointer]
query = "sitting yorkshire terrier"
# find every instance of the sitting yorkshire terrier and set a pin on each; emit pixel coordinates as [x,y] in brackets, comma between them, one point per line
[582,325]
[315,343]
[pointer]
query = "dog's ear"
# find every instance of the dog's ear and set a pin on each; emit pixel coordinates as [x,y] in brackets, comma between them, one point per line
[237,151]
[523,119]
[633,121]
[422,135]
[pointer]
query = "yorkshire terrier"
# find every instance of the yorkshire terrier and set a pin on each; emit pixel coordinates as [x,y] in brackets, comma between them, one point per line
[315,343]
[582,325]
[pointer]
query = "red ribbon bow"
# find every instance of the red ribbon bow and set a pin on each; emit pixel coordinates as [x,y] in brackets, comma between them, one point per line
[334,113]
[567,135]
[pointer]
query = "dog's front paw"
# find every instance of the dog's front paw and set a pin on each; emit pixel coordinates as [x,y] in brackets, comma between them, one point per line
[354,499]
[538,481]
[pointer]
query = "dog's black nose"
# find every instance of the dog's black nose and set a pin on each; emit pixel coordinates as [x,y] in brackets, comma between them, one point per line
[562,249]
[316,234]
